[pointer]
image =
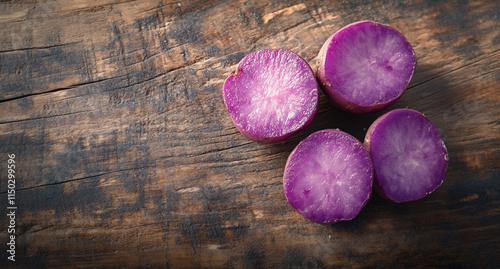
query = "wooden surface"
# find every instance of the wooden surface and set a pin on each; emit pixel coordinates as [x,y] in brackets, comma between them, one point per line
[127,157]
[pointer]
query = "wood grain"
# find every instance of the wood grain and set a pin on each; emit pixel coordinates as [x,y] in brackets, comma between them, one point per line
[126,156]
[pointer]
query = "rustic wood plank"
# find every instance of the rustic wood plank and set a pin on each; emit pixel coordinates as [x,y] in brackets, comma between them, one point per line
[127,157]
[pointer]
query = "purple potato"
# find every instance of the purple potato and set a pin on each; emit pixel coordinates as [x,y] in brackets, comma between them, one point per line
[271,95]
[409,157]
[328,177]
[365,67]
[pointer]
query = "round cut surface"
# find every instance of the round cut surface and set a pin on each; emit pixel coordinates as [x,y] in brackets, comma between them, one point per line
[271,95]
[328,177]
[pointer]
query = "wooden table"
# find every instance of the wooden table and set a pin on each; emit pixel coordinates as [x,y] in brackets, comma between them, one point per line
[125,155]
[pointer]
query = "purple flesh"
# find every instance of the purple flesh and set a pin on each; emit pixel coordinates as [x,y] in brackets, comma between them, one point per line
[365,67]
[409,157]
[328,177]
[271,95]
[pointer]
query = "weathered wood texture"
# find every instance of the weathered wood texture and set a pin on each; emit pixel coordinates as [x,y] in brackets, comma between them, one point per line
[126,155]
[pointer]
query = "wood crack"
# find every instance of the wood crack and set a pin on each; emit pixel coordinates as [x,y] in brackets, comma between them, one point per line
[220,149]
[59,182]
[80,178]
[53,90]
[40,48]
[45,117]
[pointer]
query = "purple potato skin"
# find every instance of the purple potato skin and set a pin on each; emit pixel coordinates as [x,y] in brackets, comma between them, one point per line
[271,95]
[328,177]
[409,157]
[365,67]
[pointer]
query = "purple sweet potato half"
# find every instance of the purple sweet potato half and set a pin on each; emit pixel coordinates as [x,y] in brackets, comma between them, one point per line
[409,157]
[365,67]
[271,95]
[328,177]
